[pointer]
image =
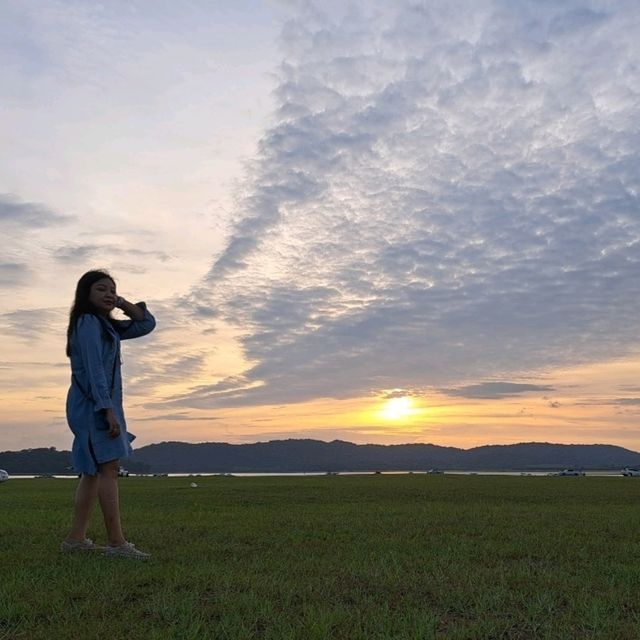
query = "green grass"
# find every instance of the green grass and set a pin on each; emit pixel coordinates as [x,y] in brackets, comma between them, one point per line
[370,557]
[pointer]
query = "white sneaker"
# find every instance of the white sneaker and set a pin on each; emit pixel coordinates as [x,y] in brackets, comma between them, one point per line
[85,545]
[127,550]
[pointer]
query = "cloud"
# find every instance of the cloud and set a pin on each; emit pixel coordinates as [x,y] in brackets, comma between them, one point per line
[25,227]
[146,370]
[78,253]
[14,274]
[181,416]
[32,324]
[30,215]
[495,390]
[611,402]
[448,192]
[227,392]
[10,364]
[403,393]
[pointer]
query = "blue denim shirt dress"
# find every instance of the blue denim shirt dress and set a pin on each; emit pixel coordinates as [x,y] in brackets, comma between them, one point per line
[96,384]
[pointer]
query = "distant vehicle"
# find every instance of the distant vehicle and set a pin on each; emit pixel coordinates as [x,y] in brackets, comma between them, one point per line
[630,473]
[123,473]
[571,472]
[4,476]
[434,472]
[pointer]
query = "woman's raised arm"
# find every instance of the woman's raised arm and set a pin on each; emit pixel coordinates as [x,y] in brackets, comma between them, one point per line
[141,323]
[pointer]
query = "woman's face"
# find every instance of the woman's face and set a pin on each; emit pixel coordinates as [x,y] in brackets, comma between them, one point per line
[103,295]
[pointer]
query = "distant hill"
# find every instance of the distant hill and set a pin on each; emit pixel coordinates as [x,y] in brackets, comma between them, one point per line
[45,461]
[315,455]
[33,461]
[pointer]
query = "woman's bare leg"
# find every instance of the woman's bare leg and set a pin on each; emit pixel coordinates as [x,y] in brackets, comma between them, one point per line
[110,501]
[86,494]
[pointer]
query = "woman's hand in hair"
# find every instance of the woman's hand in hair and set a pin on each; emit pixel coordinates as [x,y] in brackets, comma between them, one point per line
[132,310]
[114,425]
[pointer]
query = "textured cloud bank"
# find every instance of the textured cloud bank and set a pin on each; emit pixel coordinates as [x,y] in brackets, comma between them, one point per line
[22,225]
[449,194]
[25,215]
[496,390]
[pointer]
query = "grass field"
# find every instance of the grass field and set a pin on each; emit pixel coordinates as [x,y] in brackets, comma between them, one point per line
[346,557]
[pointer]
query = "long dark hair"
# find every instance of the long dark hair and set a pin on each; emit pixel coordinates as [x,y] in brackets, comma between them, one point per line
[81,303]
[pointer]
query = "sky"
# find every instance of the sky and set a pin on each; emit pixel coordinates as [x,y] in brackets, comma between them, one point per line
[380,222]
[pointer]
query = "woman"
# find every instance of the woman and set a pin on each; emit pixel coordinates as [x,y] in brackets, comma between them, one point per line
[94,406]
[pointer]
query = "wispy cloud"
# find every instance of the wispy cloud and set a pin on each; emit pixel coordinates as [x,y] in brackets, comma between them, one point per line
[496,390]
[32,324]
[16,213]
[611,401]
[181,416]
[627,401]
[78,253]
[14,274]
[24,225]
[449,192]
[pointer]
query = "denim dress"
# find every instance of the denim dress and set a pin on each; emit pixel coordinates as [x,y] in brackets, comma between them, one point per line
[96,384]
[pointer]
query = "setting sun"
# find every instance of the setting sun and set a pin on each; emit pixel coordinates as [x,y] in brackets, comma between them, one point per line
[397,408]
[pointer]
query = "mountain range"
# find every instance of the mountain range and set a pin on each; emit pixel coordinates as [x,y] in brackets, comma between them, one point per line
[296,455]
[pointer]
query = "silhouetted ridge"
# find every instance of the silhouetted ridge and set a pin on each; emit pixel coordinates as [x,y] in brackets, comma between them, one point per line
[318,456]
